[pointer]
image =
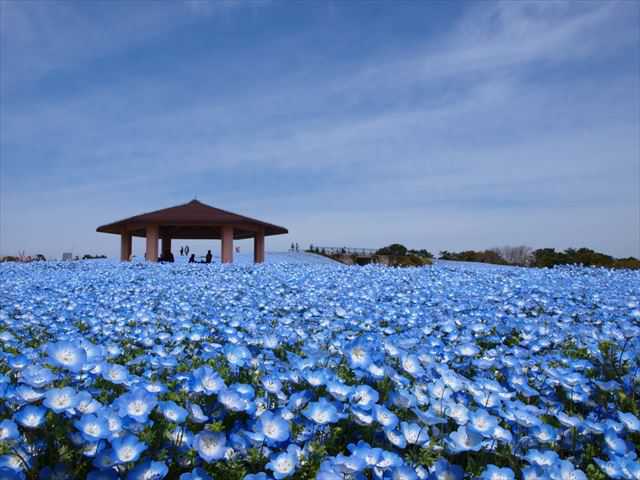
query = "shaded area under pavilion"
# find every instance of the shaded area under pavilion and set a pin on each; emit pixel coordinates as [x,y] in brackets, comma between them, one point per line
[194,221]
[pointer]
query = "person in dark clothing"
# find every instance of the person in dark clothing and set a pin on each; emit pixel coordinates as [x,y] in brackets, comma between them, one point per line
[170,257]
[192,258]
[208,257]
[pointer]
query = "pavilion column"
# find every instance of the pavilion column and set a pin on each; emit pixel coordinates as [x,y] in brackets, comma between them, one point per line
[152,243]
[166,246]
[227,244]
[258,247]
[125,246]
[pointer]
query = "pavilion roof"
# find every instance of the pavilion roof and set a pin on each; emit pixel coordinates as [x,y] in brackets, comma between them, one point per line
[192,220]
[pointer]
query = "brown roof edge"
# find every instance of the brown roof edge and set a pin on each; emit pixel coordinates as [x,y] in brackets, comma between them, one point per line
[110,227]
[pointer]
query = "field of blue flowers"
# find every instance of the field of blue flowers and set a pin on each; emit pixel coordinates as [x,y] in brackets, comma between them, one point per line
[281,371]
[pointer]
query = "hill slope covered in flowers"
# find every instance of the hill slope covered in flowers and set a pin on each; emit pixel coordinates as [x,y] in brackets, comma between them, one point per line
[317,371]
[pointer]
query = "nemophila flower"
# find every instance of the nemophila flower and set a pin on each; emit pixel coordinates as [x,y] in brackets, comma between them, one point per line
[28,394]
[544,458]
[149,470]
[362,417]
[327,471]
[463,440]
[457,411]
[395,437]
[443,470]
[155,387]
[358,356]
[612,468]
[403,472]
[114,421]
[486,399]
[86,403]
[273,427]
[451,379]
[93,428]
[233,400]
[198,474]
[298,400]
[211,446]
[30,416]
[137,404]
[429,417]
[414,434]
[385,417]
[565,470]
[496,473]
[172,411]
[8,431]
[402,399]
[544,433]
[315,378]
[67,355]
[284,464]
[568,420]
[271,384]
[411,365]
[614,444]
[322,412]
[105,458]
[196,414]
[502,435]
[114,373]
[630,421]
[338,390]
[388,460]
[363,396]
[370,455]
[533,472]
[245,390]
[37,376]
[206,380]
[60,399]
[18,362]
[17,461]
[591,426]
[377,372]
[237,355]
[127,449]
[467,350]
[350,464]
[482,422]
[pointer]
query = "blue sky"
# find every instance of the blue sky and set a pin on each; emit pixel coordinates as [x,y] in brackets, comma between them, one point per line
[440,125]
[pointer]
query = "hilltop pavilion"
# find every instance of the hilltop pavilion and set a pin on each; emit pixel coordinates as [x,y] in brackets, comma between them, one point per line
[193,220]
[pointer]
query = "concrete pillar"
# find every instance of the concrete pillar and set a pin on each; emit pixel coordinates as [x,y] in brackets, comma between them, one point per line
[166,246]
[227,244]
[152,243]
[125,246]
[258,247]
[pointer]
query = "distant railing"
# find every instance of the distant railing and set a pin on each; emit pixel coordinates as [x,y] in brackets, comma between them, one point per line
[365,252]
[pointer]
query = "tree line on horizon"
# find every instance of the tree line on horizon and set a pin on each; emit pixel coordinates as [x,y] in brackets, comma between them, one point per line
[521,256]
[543,257]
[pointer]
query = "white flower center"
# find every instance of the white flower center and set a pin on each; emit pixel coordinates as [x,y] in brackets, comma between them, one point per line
[127,453]
[137,407]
